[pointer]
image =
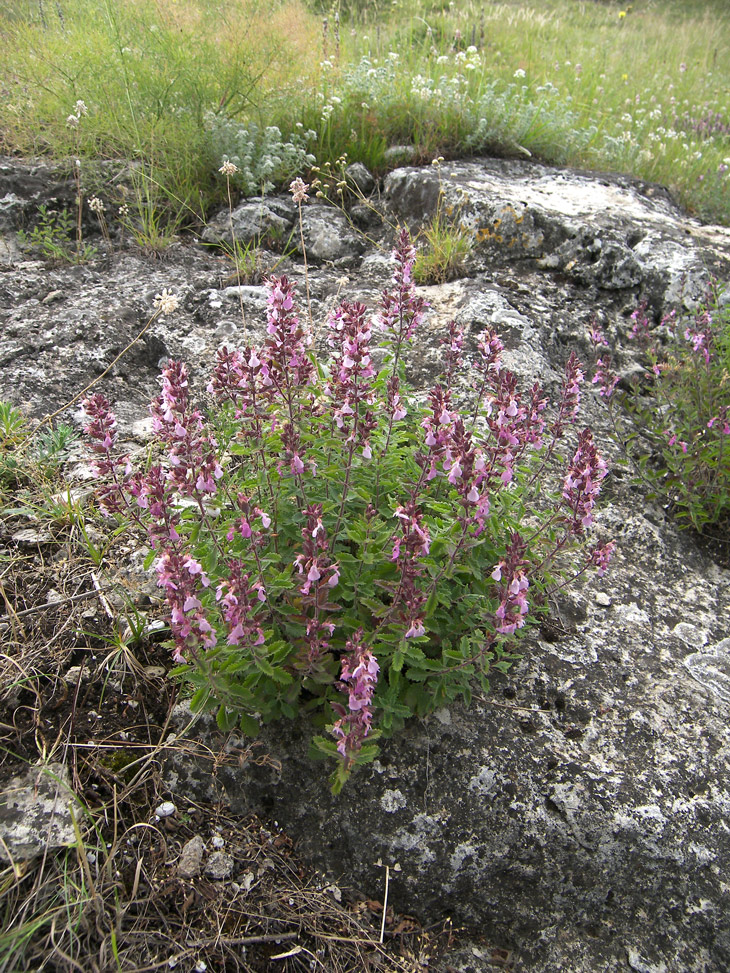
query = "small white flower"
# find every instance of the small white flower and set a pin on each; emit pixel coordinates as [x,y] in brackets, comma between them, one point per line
[520,73]
[72,122]
[228,168]
[166,302]
[96,205]
[80,108]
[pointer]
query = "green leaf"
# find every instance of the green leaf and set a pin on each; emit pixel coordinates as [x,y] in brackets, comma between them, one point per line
[226,720]
[199,699]
[432,603]
[375,607]
[265,668]
[321,745]
[248,725]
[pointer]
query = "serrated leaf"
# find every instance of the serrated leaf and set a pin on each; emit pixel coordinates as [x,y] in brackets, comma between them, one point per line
[199,699]
[375,607]
[226,720]
[248,725]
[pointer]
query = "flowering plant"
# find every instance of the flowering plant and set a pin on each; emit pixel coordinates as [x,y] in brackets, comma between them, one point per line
[680,408]
[328,543]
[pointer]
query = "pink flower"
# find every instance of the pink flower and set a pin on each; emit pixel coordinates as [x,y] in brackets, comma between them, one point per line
[359,676]
[416,629]
[582,483]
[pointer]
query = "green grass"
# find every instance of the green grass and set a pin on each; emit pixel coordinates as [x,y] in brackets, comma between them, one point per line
[642,89]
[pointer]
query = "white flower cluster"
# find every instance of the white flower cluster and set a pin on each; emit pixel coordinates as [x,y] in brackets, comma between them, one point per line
[228,169]
[166,302]
[79,110]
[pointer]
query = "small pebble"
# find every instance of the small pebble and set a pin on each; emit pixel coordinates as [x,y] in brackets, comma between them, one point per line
[77,672]
[191,858]
[217,841]
[602,599]
[165,809]
[219,865]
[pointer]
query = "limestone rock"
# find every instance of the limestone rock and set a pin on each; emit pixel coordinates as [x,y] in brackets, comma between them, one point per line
[34,813]
[252,221]
[611,231]
[219,865]
[361,177]
[328,235]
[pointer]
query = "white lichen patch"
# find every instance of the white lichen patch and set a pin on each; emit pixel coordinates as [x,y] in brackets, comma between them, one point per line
[485,782]
[712,668]
[392,801]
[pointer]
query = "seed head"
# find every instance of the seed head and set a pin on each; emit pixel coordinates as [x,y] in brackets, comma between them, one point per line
[298,188]
[166,302]
[228,169]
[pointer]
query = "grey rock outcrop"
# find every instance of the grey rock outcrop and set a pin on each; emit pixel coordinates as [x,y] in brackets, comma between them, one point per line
[252,221]
[577,816]
[328,234]
[607,231]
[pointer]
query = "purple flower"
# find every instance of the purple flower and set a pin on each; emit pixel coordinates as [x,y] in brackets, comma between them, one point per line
[569,396]
[285,364]
[239,598]
[604,377]
[359,677]
[401,310]
[101,428]
[511,575]
[193,467]
[182,577]
[453,343]
[582,483]
[640,330]
[600,556]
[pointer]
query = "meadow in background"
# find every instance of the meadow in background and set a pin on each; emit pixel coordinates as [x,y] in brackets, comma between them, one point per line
[641,88]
